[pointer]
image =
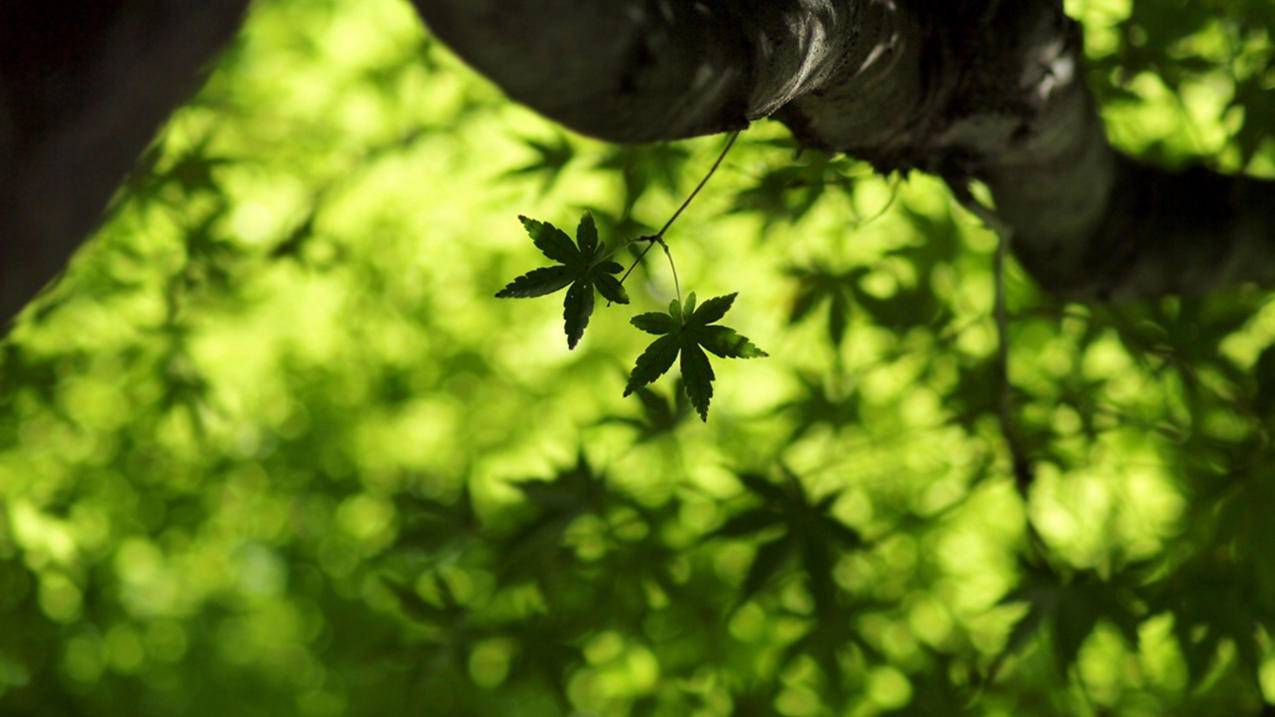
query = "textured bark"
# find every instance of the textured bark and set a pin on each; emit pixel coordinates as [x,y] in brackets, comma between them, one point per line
[983,90]
[82,92]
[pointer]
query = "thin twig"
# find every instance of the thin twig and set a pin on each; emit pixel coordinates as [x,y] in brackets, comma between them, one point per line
[651,240]
[659,236]
[1022,465]
[730,142]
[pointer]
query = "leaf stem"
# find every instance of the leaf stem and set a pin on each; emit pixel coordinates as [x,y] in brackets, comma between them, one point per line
[677,286]
[659,236]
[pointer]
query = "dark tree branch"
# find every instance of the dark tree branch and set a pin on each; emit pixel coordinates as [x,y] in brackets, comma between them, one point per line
[1185,232]
[984,90]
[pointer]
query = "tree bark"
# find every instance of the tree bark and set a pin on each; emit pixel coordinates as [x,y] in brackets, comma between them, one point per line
[990,91]
[987,90]
[82,92]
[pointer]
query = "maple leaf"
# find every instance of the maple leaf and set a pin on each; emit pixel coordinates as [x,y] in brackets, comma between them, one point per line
[551,158]
[583,265]
[661,416]
[1071,606]
[686,331]
[817,284]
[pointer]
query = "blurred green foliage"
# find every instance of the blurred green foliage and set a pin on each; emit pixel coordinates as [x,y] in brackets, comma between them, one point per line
[272,448]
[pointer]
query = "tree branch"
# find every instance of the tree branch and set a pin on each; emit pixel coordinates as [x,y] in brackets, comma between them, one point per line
[982,90]
[645,70]
[622,70]
[1185,232]
[985,89]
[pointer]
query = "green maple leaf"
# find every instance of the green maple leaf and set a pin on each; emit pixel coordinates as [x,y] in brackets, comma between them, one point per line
[683,331]
[582,265]
[818,284]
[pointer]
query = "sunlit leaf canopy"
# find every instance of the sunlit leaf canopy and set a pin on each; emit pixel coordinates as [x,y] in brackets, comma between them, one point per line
[271,447]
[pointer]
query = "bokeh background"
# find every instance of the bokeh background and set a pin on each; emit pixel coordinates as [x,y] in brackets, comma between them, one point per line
[272,447]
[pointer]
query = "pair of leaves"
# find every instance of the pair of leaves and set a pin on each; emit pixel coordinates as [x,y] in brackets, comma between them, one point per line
[583,265]
[686,331]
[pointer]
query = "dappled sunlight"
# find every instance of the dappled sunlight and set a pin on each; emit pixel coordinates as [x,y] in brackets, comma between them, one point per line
[272,446]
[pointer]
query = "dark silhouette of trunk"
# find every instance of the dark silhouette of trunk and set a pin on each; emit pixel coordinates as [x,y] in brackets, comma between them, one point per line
[83,89]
